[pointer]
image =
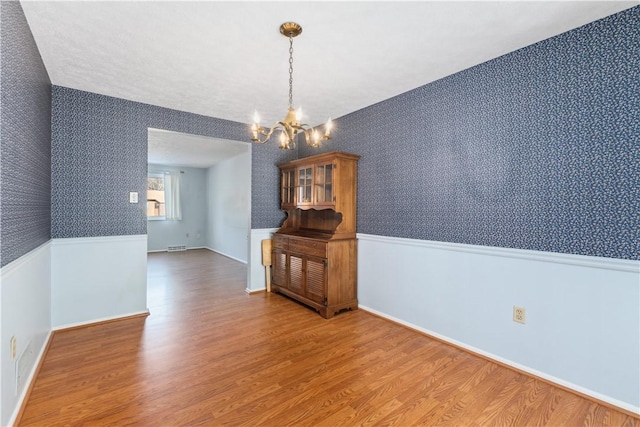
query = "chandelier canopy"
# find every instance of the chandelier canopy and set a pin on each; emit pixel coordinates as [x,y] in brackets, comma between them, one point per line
[290,126]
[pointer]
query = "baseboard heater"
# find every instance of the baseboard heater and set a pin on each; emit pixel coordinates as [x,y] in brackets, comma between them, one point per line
[177,248]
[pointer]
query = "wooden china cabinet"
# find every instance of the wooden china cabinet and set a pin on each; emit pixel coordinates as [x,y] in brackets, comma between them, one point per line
[314,253]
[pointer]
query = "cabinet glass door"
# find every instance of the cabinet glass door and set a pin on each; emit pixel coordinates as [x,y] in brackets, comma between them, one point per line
[288,188]
[324,184]
[304,185]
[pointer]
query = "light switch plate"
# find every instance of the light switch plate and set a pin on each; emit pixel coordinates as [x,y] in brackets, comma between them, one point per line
[133,197]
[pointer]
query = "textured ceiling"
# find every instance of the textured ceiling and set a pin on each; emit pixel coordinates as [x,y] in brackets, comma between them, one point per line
[179,149]
[227,59]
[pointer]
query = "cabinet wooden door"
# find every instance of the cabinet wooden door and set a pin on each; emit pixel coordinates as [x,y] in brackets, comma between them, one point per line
[305,185]
[316,279]
[324,184]
[296,274]
[279,261]
[288,188]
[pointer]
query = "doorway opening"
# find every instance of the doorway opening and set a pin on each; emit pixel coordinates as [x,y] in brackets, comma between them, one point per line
[198,194]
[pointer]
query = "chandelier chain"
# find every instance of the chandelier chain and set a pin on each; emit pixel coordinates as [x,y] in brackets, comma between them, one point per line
[290,127]
[290,70]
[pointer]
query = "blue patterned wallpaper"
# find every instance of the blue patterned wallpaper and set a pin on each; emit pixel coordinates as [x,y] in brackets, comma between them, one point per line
[265,184]
[538,149]
[25,141]
[99,155]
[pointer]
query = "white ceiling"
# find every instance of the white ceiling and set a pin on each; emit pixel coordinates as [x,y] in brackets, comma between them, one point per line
[227,59]
[180,149]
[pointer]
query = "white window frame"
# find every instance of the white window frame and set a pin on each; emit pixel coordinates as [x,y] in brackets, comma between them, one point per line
[157,175]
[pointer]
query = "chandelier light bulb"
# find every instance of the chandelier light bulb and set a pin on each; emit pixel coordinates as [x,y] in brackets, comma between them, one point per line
[327,127]
[299,114]
[256,118]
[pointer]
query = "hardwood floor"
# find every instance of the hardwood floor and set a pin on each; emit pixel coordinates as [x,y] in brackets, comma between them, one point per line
[210,354]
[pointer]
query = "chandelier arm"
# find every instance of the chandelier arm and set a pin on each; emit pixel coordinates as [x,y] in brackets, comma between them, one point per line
[309,128]
[263,131]
[306,128]
[310,141]
[306,137]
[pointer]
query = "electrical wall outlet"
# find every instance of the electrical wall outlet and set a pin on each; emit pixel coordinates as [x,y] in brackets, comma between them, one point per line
[519,314]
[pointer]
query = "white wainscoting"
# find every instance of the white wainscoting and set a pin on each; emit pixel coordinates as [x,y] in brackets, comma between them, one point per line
[25,296]
[256,280]
[582,313]
[97,278]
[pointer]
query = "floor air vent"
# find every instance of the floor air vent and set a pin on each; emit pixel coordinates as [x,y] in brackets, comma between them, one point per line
[177,248]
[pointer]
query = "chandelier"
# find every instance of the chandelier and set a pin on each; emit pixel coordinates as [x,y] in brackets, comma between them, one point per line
[290,126]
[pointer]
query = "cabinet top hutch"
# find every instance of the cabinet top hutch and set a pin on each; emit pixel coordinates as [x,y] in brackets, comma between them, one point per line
[319,195]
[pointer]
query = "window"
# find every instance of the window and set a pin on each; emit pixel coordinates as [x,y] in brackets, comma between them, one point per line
[155,196]
[163,196]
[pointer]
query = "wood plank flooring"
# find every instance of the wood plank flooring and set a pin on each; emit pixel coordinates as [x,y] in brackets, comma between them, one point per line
[210,354]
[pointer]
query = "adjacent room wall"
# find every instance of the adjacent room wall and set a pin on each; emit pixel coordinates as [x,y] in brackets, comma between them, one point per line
[99,155]
[25,213]
[192,229]
[228,206]
[99,146]
[536,151]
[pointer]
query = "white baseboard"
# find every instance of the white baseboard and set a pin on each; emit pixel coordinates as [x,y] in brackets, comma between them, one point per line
[207,248]
[101,320]
[255,291]
[225,255]
[153,251]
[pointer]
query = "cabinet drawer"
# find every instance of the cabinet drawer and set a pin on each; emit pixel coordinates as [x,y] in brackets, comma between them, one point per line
[308,247]
[280,242]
